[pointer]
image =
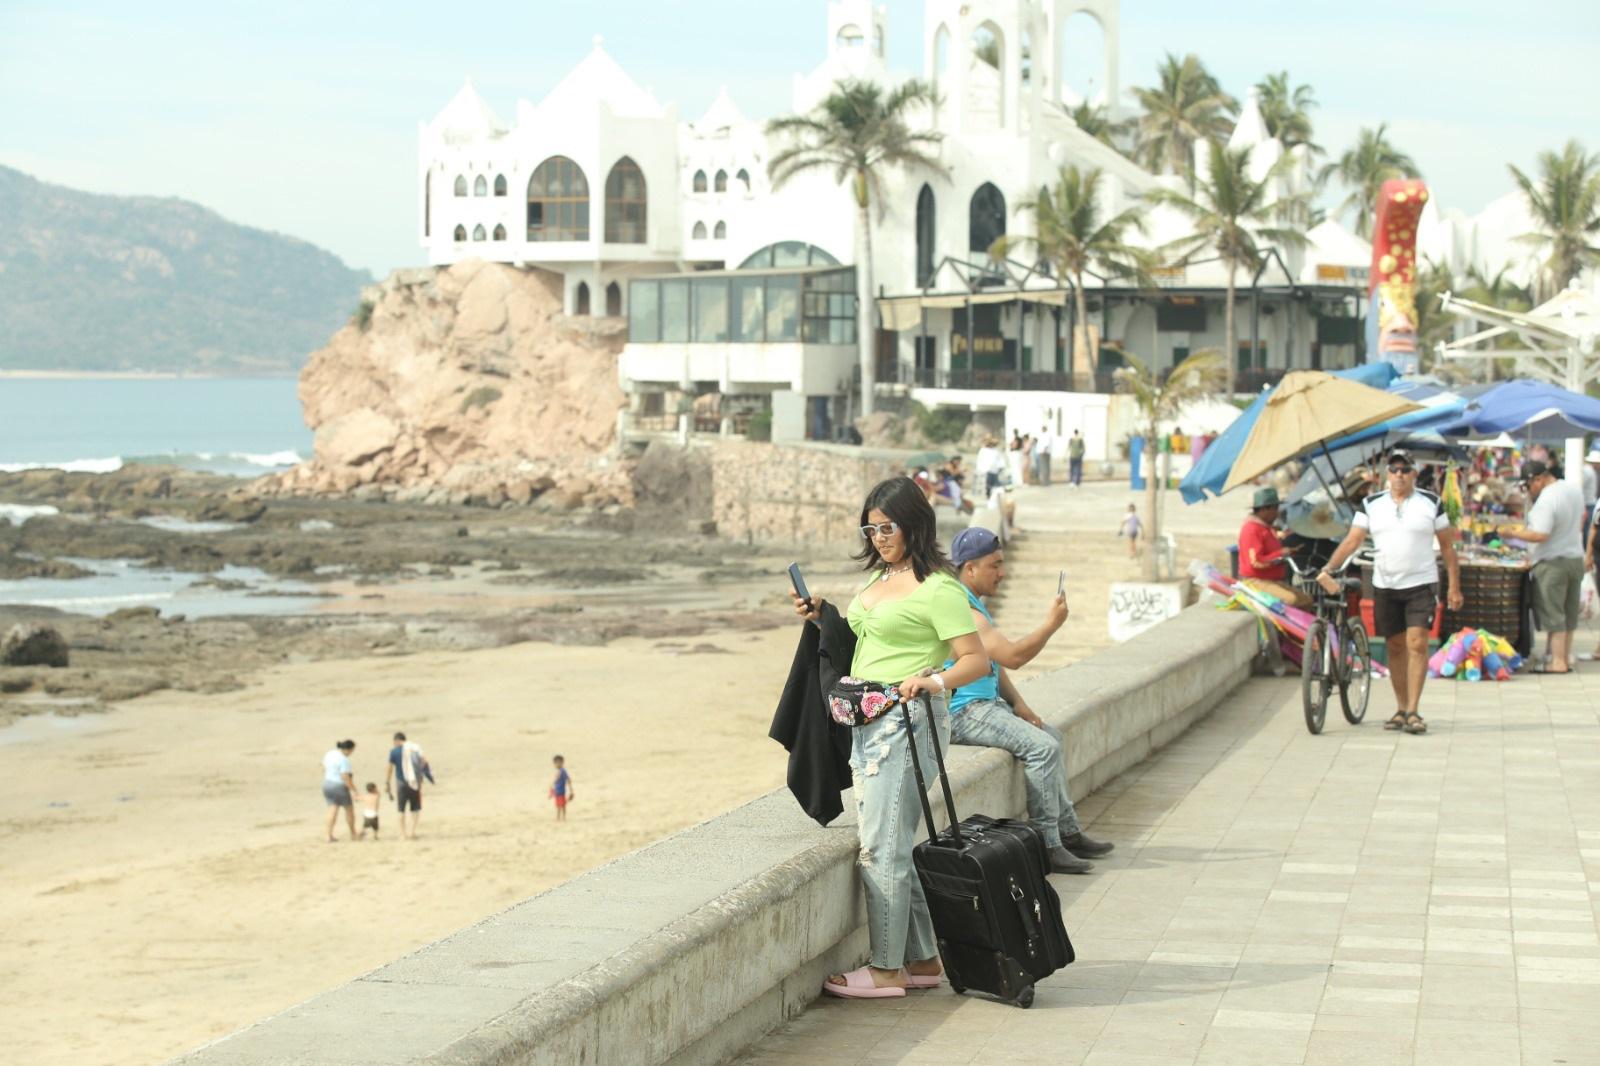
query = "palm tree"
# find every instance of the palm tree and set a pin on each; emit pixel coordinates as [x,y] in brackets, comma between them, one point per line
[1233,216]
[1072,235]
[1161,401]
[1364,168]
[1565,204]
[857,133]
[1287,112]
[1093,120]
[1187,106]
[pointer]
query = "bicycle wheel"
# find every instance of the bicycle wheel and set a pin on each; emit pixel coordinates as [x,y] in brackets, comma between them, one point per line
[1355,670]
[1314,680]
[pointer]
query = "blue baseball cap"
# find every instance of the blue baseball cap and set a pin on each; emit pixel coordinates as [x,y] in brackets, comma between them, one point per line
[971,543]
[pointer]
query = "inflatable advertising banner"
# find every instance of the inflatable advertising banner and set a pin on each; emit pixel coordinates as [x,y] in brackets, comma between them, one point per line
[1392,287]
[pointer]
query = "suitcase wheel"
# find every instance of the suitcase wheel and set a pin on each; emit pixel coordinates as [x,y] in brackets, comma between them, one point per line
[1025,997]
[956,986]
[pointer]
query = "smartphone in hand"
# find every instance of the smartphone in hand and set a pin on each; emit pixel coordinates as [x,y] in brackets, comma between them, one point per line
[1061,584]
[799,583]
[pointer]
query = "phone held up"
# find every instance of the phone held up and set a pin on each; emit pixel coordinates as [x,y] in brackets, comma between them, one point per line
[799,583]
[1061,584]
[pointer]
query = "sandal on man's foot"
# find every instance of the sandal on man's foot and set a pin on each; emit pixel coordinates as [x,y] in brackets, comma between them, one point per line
[1415,724]
[1398,721]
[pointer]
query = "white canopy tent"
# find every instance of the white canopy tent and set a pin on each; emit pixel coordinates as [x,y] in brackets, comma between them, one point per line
[1554,342]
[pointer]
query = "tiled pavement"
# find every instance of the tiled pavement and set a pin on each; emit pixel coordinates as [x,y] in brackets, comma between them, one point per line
[1359,897]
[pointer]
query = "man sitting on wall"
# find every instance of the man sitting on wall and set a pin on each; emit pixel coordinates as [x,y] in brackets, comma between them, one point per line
[992,713]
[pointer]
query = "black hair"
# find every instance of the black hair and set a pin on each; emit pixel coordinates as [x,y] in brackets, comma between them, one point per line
[345,745]
[907,507]
[557,758]
[399,736]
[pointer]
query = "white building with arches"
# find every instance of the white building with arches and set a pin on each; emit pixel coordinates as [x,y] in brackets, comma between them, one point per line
[742,291]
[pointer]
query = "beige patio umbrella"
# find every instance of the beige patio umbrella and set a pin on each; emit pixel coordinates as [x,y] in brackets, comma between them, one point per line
[1309,408]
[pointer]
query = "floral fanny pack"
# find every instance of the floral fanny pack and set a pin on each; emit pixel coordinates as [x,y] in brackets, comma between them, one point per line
[856,702]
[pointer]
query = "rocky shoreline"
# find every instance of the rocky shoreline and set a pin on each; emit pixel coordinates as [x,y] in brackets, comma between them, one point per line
[513,574]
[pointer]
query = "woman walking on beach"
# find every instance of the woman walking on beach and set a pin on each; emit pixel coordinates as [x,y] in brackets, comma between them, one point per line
[907,619]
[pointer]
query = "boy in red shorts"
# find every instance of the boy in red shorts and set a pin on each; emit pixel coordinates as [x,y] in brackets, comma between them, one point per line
[561,790]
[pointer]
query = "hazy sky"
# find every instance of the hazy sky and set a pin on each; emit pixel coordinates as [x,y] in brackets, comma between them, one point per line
[301,116]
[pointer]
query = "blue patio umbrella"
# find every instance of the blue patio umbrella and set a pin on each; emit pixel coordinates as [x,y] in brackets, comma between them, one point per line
[1541,410]
[1441,404]
[1216,462]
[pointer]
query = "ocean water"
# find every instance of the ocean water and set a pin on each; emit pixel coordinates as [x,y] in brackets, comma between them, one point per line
[243,427]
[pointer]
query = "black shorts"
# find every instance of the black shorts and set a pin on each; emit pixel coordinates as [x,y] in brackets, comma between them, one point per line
[408,798]
[1396,610]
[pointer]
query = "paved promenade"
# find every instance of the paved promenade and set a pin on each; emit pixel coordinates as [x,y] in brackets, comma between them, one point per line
[1359,897]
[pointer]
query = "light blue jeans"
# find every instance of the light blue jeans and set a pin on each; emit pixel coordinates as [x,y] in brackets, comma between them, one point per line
[888,814]
[992,724]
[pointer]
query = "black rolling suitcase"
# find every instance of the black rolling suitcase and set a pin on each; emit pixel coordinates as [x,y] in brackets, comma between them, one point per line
[997,919]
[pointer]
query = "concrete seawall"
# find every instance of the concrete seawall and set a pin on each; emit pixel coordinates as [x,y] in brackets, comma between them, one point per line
[692,948]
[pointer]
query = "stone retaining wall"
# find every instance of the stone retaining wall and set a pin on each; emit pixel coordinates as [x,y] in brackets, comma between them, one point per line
[692,948]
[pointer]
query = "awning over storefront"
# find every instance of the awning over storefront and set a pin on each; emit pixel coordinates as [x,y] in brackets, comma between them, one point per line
[905,312]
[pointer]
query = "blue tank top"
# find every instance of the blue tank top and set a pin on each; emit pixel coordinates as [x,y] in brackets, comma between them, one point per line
[985,688]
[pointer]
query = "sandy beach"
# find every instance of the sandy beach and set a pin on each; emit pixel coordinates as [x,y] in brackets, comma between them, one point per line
[167,880]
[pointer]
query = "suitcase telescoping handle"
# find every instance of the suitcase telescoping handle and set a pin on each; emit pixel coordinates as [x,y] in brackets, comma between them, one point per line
[944,780]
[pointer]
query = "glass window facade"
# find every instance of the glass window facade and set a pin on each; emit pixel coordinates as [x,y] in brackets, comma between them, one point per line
[625,203]
[675,311]
[986,218]
[788,254]
[816,308]
[558,202]
[710,310]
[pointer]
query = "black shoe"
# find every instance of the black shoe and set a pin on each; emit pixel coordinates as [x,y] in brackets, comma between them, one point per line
[1063,861]
[1085,848]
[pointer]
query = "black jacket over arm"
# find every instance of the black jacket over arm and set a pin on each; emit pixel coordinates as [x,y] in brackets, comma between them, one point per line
[819,747]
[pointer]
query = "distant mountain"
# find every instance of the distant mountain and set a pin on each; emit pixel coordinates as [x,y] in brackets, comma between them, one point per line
[91,282]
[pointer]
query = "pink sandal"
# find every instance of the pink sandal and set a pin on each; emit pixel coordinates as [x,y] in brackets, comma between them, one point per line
[931,980]
[858,984]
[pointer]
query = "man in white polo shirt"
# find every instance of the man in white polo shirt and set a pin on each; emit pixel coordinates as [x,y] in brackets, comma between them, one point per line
[1404,523]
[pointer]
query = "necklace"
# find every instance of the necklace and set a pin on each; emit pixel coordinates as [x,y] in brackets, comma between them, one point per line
[887,574]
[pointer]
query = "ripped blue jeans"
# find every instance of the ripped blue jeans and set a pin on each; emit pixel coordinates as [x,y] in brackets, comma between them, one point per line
[993,724]
[888,814]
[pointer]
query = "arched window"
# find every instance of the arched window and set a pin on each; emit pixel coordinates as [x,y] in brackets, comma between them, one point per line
[925,236]
[480,186]
[479,233]
[743,178]
[461,185]
[499,184]
[941,63]
[625,203]
[614,300]
[721,232]
[558,201]
[427,203]
[499,233]
[699,232]
[987,77]
[720,183]
[850,36]
[582,298]
[460,234]
[699,181]
[986,218]
[1082,67]
[788,254]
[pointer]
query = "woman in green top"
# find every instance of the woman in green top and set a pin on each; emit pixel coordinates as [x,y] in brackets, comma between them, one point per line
[908,619]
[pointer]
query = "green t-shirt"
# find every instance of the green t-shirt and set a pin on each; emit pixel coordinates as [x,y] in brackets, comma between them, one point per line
[903,637]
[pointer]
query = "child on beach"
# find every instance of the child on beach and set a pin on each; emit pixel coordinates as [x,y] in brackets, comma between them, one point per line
[1131,528]
[369,810]
[561,789]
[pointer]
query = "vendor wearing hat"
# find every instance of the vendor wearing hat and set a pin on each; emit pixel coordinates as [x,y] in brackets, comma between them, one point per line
[1261,550]
[1555,529]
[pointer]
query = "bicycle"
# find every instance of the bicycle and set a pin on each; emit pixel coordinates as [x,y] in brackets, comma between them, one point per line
[1336,651]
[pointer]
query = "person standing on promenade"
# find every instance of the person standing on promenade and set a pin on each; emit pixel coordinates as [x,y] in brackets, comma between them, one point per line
[1042,448]
[1075,458]
[1404,523]
[990,465]
[339,787]
[1555,529]
[908,618]
[991,713]
[407,769]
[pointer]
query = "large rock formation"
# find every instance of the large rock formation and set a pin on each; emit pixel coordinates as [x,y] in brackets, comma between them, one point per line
[465,384]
